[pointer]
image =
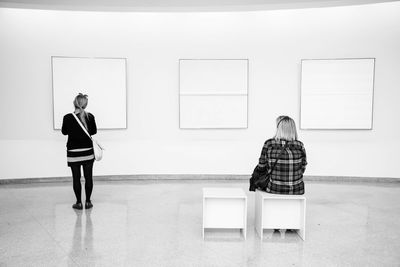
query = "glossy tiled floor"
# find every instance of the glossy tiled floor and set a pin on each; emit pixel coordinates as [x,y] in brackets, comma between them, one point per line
[159,224]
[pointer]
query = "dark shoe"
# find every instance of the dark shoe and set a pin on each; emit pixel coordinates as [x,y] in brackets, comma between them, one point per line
[77,206]
[88,205]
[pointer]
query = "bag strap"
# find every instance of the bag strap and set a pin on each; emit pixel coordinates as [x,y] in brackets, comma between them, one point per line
[276,161]
[80,123]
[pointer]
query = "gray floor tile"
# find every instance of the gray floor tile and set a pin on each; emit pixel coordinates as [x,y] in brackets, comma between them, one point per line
[159,224]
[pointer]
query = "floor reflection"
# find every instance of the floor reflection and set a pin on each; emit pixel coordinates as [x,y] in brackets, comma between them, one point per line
[82,237]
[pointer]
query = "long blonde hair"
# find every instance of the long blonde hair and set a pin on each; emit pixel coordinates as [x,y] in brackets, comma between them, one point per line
[80,102]
[285,129]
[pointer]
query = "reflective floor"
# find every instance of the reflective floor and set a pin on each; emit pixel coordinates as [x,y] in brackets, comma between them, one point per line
[159,224]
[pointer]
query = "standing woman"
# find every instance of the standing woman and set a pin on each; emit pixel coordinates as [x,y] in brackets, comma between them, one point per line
[284,157]
[80,148]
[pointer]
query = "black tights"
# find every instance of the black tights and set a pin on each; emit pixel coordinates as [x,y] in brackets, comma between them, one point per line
[76,175]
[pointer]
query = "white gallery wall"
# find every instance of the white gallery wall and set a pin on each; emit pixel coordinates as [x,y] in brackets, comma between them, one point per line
[273,41]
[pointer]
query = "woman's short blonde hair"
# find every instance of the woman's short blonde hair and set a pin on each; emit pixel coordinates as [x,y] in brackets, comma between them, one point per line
[285,129]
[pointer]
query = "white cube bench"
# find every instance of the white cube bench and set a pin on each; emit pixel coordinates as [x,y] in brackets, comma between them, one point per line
[225,208]
[273,211]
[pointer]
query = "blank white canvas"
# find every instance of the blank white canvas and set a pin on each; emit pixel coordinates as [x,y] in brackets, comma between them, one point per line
[213,111]
[227,76]
[337,93]
[213,93]
[102,79]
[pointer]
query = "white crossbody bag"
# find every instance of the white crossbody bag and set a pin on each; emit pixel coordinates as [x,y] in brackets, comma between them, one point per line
[97,148]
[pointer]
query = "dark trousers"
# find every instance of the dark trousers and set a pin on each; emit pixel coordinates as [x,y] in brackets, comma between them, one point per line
[76,176]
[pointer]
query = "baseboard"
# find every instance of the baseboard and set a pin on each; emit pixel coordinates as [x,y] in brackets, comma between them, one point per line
[198,177]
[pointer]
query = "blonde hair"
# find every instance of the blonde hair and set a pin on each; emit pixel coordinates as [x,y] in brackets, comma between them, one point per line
[80,102]
[285,129]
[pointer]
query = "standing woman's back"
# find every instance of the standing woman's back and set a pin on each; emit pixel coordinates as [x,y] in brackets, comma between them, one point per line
[80,148]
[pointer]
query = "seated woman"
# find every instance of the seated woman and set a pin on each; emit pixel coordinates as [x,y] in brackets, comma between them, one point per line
[284,159]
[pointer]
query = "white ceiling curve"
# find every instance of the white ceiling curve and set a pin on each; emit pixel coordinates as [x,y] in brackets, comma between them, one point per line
[179,5]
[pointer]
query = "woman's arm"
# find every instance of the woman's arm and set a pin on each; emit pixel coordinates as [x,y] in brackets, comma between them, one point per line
[65,126]
[93,126]
[303,159]
[263,161]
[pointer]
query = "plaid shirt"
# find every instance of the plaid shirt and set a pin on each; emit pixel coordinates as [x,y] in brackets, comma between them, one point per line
[287,176]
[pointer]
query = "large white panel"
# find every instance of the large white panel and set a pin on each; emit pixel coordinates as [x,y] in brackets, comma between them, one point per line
[337,93]
[103,79]
[223,76]
[208,111]
[213,93]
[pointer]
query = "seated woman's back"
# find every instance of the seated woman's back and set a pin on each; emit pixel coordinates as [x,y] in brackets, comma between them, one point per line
[287,174]
[284,159]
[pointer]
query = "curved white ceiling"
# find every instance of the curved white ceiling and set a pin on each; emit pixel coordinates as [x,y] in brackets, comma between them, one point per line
[178,5]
